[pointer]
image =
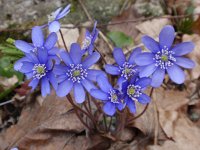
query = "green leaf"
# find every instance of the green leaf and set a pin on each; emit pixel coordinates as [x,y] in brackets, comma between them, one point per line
[120,39]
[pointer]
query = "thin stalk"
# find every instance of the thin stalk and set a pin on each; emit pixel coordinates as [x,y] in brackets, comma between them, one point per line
[78,108]
[105,122]
[63,39]
[110,123]
[139,115]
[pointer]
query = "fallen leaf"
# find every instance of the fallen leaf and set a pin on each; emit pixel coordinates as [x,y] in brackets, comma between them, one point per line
[70,36]
[43,127]
[186,136]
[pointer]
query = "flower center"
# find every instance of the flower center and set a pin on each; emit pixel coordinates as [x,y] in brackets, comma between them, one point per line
[164,58]
[113,96]
[86,42]
[134,91]
[39,70]
[127,70]
[76,73]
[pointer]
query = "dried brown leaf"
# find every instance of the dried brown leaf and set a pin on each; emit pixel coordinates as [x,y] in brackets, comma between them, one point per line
[43,127]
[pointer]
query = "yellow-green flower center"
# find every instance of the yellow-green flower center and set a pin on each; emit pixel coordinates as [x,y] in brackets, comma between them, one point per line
[40,70]
[164,58]
[131,90]
[76,73]
[114,97]
[127,70]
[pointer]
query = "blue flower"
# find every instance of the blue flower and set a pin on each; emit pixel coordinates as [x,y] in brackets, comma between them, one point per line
[75,73]
[164,58]
[38,43]
[54,18]
[88,42]
[124,68]
[133,92]
[109,95]
[38,67]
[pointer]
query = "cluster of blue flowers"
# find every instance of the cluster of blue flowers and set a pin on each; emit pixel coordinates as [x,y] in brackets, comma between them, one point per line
[50,67]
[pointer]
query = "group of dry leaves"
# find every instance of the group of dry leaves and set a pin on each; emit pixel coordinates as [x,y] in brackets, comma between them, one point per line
[50,123]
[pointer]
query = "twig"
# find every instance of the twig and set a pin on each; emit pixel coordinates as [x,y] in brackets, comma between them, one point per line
[109,24]
[63,40]
[7,102]
[90,18]
[78,108]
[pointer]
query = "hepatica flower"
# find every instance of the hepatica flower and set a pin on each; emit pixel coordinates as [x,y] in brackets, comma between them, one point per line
[38,68]
[54,18]
[75,73]
[165,58]
[133,92]
[124,68]
[110,96]
[88,42]
[38,43]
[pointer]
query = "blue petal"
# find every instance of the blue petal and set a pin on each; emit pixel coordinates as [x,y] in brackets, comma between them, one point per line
[75,53]
[133,55]
[24,46]
[19,63]
[55,58]
[144,59]
[49,64]
[54,26]
[53,80]
[29,75]
[143,82]
[104,83]
[158,77]
[54,51]
[119,56]
[61,78]
[32,57]
[98,94]
[91,59]
[64,88]
[57,11]
[150,44]
[66,58]
[37,36]
[176,74]
[92,74]
[26,67]
[45,87]
[147,70]
[109,108]
[79,93]
[42,55]
[120,81]
[144,99]
[185,62]
[166,36]
[60,70]
[131,105]
[183,48]
[120,106]
[88,85]
[51,41]
[113,70]
[33,84]
[90,49]
[64,12]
